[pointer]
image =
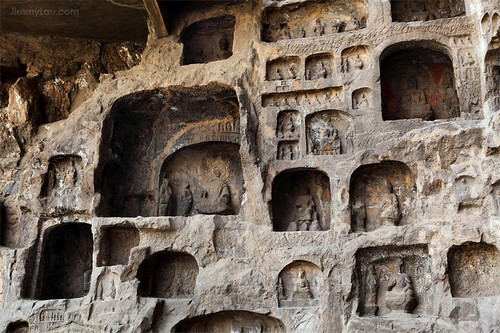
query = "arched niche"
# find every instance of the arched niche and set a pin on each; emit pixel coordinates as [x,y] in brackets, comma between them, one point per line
[208,40]
[473,270]
[18,327]
[285,68]
[425,10]
[66,262]
[329,132]
[418,81]
[381,194]
[168,275]
[319,66]
[300,284]
[230,321]
[301,201]
[202,179]
[144,128]
[355,58]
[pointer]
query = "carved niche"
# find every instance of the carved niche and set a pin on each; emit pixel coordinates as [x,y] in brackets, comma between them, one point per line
[473,270]
[381,194]
[208,40]
[329,133]
[299,285]
[355,59]
[202,179]
[492,64]
[18,327]
[467,192]
[168,275]
[301,201]
[313,19]
[115,245]
[286,68]
[425,10]
[393,280]
[319,66]
[231,321]
[417,82]
[288,127]
[288,150]
[361,98]
[66,262]
[495,198]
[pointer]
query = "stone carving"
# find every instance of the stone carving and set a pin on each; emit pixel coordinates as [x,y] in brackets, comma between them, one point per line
[283,69]
[319,66]
[425,10]
[495,198]
[381,194]
[56,319]
[467,192]
[294,21]
[327,132]
[107,285]
[116,245]
[400,296]
[288,150]
[288,125]
[361,98]
[355,59]
[164,194]
[472,270]
[371,292]
[308,192]
[208,40]
[304,98]
[300,285]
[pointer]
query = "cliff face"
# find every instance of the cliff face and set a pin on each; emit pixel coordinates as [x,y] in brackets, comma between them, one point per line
[276,166]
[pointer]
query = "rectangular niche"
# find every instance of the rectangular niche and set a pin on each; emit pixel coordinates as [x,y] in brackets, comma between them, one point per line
[313,19]
[208,40]
[288,150]
[392,280]
[425,10]
[115,245]
[285,68]
[329,133]
[319,66]
[473,270]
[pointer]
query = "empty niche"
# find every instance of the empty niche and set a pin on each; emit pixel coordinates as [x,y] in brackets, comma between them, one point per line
[230,321]
[361,98]
[62,183]
[473,270]
[288,150]
[208,40]
[355,58]
[168,275]
[313,19]
[417,82]
[299,285]
[301,201]
[425,10]
[66,262]
[381,194]
[285,68]
[319,66]
[202,179]
[288,127]
[329,133]
[18,327]
[116,243]
[392,280]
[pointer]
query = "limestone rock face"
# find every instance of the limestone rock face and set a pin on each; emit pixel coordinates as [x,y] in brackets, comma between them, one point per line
[267,166]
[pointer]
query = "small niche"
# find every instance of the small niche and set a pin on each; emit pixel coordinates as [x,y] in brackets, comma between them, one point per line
[18,327]
[486,23]
[319,66]
[361,98]
[417,82]
[231,321]
[492,64]
[329,133]
[288,150]
[425,10]
[208,40]
[285,68]
[168,275]
[299,285]
[313,19]
[393,280]
[301,201]
[473,270]
[355,59]
[202,179]
[66,262]
[382,194]
[288,127]
[116,243]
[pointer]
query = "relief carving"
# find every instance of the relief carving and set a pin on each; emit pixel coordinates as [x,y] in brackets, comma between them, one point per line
[355,59]
[283,69]
[299,285]
[327,132]
[319,66]
[288,150]
[304,98]
[307,217]
[400,296]
[361,98]
[288,125]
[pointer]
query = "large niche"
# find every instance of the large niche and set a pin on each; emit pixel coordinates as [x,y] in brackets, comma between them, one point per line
[425,10]
[168,275]
[231,321]
[474,270]
[381,194]
[66,262]
[393,280]
[313,19]
[301,201]
[149,135]
[418,81]
[329,133]
[300,285]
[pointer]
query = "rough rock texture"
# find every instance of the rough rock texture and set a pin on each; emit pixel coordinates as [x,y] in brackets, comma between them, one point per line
[315,166]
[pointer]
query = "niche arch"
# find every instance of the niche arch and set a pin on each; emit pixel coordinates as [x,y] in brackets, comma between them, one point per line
[301,201]
[300,284]
[418,81]
[381,194]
